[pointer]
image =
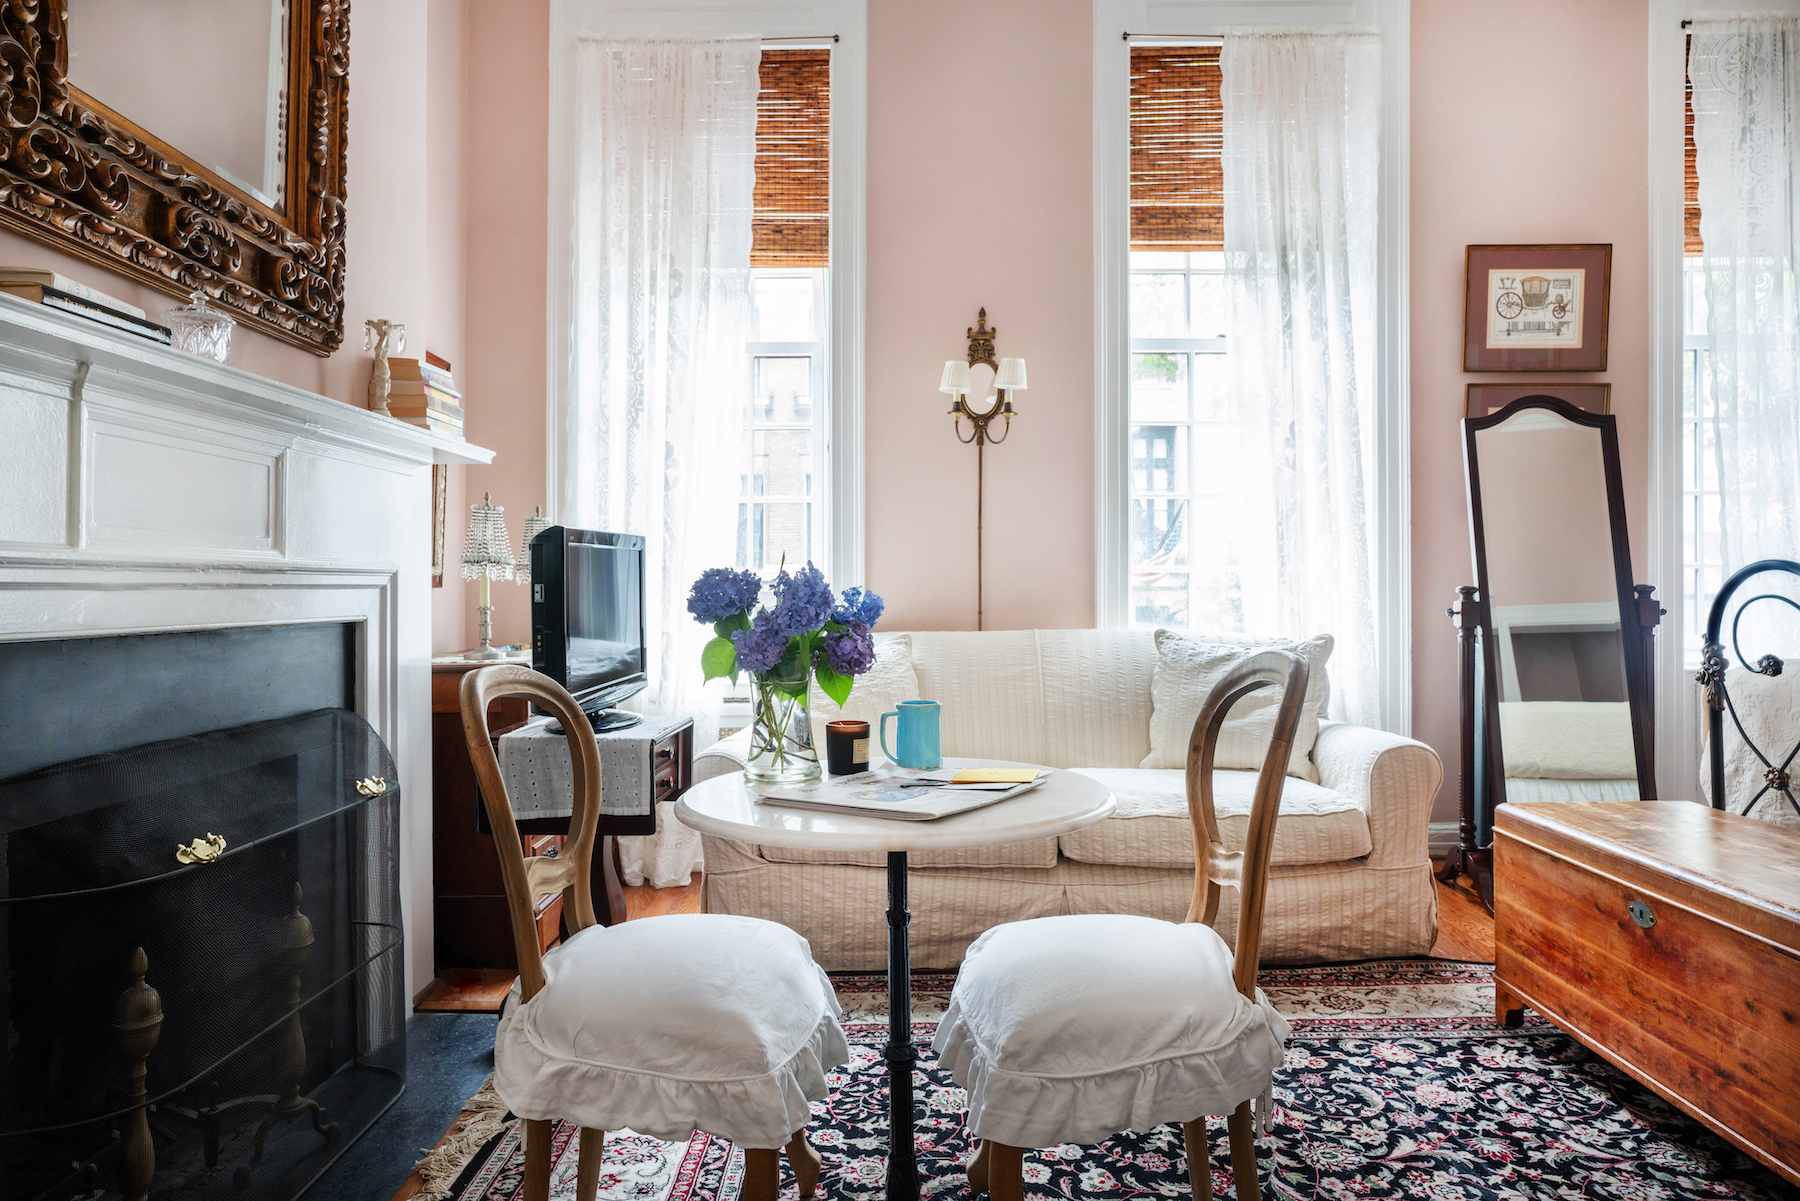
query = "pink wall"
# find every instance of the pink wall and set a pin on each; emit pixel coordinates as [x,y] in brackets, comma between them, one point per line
[446,268]
[1482,172]
[980,186]
[507,205]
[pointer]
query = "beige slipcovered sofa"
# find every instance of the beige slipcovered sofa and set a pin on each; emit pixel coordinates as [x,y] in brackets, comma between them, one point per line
[1351,878]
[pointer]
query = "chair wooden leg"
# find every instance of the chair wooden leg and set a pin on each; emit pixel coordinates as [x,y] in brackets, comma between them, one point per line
[977,1170]
[537,1161]
[804,1161]
[1241,1125]
[1199,1157]
[587,1165]
[762,1174]
[1005,1171]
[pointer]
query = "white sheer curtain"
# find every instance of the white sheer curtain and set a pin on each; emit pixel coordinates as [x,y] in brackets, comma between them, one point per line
[1746,78]
[652,425]
[1302,130]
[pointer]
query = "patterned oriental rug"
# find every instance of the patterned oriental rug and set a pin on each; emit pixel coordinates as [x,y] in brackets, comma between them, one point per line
[1398,1083]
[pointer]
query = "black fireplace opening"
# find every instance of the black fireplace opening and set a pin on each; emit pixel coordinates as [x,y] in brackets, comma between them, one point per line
[201,934]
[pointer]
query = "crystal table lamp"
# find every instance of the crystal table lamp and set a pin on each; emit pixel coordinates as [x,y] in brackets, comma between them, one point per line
[536,524]
[487,555]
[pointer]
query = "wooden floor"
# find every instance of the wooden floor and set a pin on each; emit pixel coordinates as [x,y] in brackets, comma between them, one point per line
[1465,931]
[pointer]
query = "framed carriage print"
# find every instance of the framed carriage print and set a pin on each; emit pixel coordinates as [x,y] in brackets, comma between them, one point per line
[1482,399]
[1536,308]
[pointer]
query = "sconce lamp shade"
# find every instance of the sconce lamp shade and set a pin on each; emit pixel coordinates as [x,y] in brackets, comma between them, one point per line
[534,525]
[956,378]
[487,551]
[1011,376]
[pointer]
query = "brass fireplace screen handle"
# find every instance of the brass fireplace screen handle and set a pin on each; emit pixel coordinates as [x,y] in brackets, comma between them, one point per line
[372,787]
[201,850]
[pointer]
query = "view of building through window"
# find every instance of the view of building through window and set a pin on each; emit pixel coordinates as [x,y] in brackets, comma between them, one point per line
[1186,432]
[778,510]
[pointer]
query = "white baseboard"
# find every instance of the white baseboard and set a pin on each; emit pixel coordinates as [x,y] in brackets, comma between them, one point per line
[1443,837]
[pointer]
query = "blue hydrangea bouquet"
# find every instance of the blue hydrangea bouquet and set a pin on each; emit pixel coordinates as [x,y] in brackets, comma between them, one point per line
[808,634]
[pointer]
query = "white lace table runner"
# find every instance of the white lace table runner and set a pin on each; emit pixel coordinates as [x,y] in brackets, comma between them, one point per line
[540,781]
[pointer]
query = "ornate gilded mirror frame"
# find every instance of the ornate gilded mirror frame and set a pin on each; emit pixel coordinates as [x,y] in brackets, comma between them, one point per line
[86,180]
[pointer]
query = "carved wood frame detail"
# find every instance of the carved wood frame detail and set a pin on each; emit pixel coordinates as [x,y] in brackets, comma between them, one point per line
[82,178]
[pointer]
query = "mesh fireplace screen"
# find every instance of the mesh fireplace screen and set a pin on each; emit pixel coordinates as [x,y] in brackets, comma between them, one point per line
[198,1029]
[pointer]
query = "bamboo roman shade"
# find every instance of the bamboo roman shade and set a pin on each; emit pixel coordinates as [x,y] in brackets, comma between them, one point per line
[1690,185]
[1177,146]
[793,160]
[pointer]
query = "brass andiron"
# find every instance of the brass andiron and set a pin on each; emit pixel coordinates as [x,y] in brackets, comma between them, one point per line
[1009,377]
[137,1023]
[290,1060]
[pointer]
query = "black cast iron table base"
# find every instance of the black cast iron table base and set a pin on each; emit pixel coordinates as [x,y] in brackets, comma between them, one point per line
[903,1166]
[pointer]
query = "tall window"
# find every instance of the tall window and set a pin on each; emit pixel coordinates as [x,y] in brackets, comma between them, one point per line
[1702,557]
[1185,424]
[780,509]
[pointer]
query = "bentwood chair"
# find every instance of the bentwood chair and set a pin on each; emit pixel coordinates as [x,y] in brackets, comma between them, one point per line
[1070,1029]
[665,1025]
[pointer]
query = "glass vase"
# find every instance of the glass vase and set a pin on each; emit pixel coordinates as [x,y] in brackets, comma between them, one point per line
[781,741]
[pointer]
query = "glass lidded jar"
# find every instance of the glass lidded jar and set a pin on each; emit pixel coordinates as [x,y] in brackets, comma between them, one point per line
[200,329]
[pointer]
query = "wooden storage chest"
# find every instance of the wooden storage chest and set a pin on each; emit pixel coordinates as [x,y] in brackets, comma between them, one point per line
[1665,936]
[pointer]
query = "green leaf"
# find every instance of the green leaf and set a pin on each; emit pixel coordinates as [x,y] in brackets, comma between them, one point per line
[718,658]
[833,685]
[727,626]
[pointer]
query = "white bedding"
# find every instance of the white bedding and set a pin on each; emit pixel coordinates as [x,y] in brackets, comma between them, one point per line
[1524,789]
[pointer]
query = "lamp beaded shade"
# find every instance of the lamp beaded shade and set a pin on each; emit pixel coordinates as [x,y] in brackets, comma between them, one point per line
[536,524]
[487,555]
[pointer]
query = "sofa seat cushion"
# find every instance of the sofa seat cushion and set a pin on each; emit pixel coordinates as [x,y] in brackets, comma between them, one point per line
[1150,828]
[1038,853]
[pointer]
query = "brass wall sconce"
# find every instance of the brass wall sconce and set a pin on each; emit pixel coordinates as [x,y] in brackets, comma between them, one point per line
[958,380]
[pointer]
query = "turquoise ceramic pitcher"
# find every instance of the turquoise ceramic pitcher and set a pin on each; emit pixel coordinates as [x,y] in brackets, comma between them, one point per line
[917,736]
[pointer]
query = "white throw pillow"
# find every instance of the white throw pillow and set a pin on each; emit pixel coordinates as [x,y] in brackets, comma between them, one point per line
[1568,740]
[1187,668]
[890,680]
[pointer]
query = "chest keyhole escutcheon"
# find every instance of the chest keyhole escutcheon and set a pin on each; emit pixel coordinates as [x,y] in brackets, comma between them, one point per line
[1642,914]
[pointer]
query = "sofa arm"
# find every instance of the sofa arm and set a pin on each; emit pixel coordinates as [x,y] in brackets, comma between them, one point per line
[1394,779]
[723,757]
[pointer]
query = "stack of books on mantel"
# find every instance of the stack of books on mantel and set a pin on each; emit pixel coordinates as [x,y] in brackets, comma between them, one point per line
[425,394]
[59,292]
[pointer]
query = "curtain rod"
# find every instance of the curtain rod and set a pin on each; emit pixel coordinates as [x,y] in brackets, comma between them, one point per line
[1199,38]
[819,37]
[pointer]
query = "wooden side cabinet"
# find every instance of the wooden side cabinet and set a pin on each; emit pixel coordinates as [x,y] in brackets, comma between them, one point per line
[473,929]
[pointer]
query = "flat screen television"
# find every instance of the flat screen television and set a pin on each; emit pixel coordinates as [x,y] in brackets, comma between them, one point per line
[587,618]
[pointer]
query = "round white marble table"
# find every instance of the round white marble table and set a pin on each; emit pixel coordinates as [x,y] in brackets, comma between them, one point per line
[725,807]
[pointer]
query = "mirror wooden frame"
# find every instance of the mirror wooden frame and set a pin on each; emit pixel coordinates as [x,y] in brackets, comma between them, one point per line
[1483,757]
[92,183]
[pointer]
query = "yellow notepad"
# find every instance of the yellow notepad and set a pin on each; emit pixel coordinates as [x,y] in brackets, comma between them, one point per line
[995,775]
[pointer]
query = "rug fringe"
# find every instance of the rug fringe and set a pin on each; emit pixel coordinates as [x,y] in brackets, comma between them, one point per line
[482,1118]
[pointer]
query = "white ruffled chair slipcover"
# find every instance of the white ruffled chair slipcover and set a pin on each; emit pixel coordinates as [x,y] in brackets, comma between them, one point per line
[1127,1023]
[1069,1029]
[669,1025]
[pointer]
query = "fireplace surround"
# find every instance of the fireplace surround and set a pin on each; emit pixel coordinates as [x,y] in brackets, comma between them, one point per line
[144,492]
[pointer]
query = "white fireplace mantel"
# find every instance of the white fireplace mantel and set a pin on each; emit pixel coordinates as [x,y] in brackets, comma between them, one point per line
[146,490]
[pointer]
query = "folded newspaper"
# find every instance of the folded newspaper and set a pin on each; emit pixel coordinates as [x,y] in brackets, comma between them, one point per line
[901,793]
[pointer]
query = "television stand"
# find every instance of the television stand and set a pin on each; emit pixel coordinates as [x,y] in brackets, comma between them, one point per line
[612,719]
